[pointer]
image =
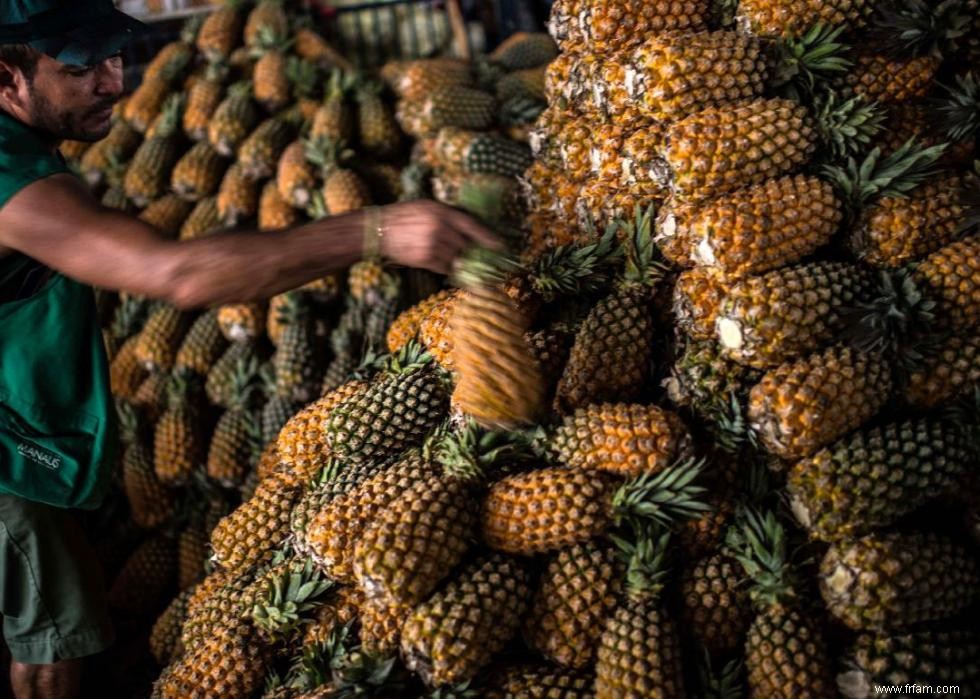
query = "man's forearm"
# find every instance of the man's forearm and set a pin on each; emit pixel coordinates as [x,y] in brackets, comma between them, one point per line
[234,266]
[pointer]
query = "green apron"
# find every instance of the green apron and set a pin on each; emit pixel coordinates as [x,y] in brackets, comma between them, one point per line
[57,429]
[57,435]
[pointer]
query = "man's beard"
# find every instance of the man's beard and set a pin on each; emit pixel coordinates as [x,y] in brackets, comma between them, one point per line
[63,125]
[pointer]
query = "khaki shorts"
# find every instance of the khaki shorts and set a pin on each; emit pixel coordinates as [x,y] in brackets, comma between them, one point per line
[52,592]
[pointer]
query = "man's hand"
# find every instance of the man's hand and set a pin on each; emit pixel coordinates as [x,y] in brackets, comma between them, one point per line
[430,235]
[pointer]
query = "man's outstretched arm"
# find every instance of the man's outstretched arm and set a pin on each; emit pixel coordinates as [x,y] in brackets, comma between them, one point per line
[57,222]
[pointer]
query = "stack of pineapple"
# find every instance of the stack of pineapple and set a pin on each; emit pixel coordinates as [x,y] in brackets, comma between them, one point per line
[471,121]
[711,431]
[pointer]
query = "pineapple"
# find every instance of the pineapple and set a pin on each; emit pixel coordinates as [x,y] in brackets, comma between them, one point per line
[165,636]
[296,361]
[242,322]
[881,78]
[192,552]
[785,653]
[893,580]
[767,320]
[161,337]
[434,332]
[332,533]
[150,502]
[146,103]
[250,535]
[259,153]
[552,508]
[233,120]
[523,50]
[415,81]
[476,152]
[920,658]
[874,477]
[217,385]
[167,214]
[775,137]
[118,147]
[950,277]
[203,100]
[458,106]
[148,175]
[275,213]
[268,16]
[407,326]
[717,610]
[202,346]
[618,24]
[171,61]
[295,176]
[381,626]
[238,196]
[370,426]
[221,32]
[703,379]
[178,443]
[127,372]
[198,173]
[543,681]
[424,532]
[788,18]
[343,189]
[334,118]
[498,381]
[237,431]
[202,220]
[449,638]
[145,584]
[639,652]
[522,84]
[623,439]
[951,369]
[578,591]
[675,74]
[377,129]
[618,326]
[151,397]
[271,75]
[752,230]
[801,406]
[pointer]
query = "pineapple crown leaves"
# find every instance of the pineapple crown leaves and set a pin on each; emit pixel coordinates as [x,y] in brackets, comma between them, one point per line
[846,127]
[312,668]
[803,62]
[661,497]
[246,381]
[894,175]
[896,322]
[304,76]
[459,691]
[129,422]
[241,90]
[412,357]
[269,40]
[288,596]
[723,684]
[644,266]
[181,387]
[327,154]
[574,270]
[646,559]
[758,542]
[481,267]
[909,28]
[189,32]
[169,120]
[521,110]
[360,674]
[957,109]
[469,453]
[729,425]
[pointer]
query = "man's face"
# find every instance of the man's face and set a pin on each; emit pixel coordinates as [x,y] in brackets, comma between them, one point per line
[74,102]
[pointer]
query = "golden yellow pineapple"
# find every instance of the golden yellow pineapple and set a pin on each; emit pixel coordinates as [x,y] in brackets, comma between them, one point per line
[880,78]
[769,137]
[610,25]
[378,132]
[198,173]
[148,175]
[202,101]
[126,372]
[552,508]
[220,33]
[202,220]
[116,148]
[801,406]
[408,325]
[949,370]
[242,322]
[271,77]
[178,442]
[780,18]
[295,175]
[434,331]
[275,213]
[238,196]
[751,230]
[233,120]
[623,439]
[268,16]
[146,103]
[259,153]
[951,277]
[167,214]
[334,117]
[698,295]
[160,338]
[419,78]
[202,346]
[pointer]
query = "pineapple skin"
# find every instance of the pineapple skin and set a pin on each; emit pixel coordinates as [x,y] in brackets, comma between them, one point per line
[623,439]
[160,338]
[767,320]
[614,24]
[951,277]
[786,656]
[409,323]
[879,78]
[697,299]
[452,636]
[640,653]
[578,590]
[547,510]
[945,374]
[717,610]
[778,18]
[698,163]
[894,580]
[801,406]
[752,230]
[874,477]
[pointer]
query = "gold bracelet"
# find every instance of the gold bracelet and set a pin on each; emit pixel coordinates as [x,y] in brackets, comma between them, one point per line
[373,232]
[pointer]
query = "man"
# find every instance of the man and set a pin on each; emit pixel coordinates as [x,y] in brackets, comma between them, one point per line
[60,74]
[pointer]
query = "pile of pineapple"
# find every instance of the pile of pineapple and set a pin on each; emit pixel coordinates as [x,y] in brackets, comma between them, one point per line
[711,432]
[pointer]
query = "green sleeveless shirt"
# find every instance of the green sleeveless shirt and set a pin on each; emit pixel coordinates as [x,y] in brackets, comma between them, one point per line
[57,426]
